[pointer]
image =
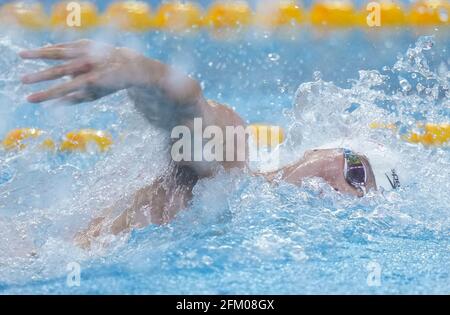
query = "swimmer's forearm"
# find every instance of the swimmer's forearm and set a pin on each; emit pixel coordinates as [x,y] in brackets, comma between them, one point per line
[165,96]
[176,86]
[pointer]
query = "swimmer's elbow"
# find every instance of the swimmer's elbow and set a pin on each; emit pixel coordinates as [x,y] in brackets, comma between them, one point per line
[173,85]
[183,90]
[165,95]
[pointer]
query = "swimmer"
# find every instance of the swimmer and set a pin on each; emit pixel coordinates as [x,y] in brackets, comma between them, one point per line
[168,99]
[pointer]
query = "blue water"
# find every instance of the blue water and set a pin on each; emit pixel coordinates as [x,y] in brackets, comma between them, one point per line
[240,234]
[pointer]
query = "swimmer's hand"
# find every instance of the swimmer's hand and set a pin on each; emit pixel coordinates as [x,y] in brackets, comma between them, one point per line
[96,70]
[84,239]
[166,97]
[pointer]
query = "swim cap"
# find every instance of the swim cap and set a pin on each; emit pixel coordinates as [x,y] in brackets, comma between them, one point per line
[387,164]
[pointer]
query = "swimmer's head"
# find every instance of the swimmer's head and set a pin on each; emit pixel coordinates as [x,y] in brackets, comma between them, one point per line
[346,171]
[385,164]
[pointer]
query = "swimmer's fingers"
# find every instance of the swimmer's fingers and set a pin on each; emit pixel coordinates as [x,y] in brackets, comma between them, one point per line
[62,90]
[63,51]
[73,68]
[84,239]
[51,53]
[79,43]
[77,98]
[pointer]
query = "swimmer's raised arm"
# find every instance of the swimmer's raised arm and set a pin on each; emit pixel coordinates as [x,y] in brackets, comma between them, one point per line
[165,96]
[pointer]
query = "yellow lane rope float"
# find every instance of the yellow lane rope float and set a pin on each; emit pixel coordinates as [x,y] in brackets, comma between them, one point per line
[430,12]
[79,14]
[15,140]
[80,140]
[380,125]
[185,15]
[74,141]
[429,134]
[178,16]
[129,15]
[229,14]
[432,135]
[391,13]
[263,135]
[334,13]
[28,14]
[273,14]
[266,135]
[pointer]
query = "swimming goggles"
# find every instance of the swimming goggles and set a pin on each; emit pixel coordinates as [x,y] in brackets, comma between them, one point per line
[354,170]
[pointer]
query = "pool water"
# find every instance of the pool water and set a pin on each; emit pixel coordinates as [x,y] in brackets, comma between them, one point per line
[240,235]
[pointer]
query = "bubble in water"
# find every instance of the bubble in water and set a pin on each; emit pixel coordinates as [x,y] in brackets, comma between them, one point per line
[425,42]
[273,57]
[6,175]
[419,87]
[317,75]
[405,85]
[433,92]
[371,78]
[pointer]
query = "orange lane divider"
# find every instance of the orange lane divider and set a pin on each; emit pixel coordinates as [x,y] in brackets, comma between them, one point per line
[186,15]
[75,141]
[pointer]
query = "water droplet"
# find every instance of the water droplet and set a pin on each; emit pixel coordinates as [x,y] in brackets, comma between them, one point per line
[419,87]
[425,42]
[273,57]
[406,87]
[317,75]
[6,175]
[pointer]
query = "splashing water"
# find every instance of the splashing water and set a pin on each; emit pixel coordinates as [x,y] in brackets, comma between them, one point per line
[241,234]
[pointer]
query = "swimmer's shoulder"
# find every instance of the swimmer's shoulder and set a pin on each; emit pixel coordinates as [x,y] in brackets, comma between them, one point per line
[226,113]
